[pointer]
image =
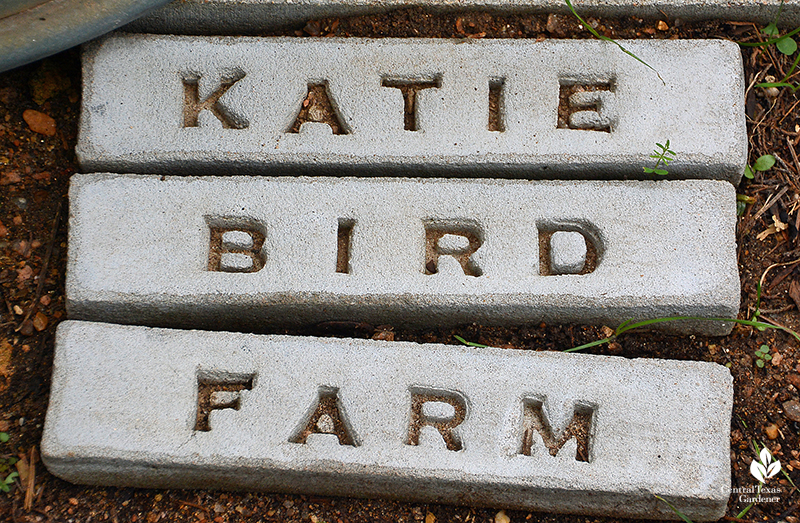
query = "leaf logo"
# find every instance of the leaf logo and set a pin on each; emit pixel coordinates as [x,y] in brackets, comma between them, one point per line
[766,468]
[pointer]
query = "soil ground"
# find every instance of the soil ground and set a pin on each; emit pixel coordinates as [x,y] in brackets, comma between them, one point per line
[34,175]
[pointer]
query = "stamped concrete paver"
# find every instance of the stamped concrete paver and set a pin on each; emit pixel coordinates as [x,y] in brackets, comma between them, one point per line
[411,107]
[432,423]
[408,252]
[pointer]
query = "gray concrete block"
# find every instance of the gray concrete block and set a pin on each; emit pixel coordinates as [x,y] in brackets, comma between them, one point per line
[209,105]
[527,430]
[144,249]
[258,16]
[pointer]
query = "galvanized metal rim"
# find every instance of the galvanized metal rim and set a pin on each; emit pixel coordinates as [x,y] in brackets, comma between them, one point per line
[44,27]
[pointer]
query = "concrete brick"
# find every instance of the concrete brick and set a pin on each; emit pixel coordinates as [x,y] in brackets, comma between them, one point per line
[336,416]
[209,105]
[258,16]
[144,249]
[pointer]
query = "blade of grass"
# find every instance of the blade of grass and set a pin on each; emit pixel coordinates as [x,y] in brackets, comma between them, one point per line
[469,343]
[607,39]
[627,325]
[590,344]
[676,511]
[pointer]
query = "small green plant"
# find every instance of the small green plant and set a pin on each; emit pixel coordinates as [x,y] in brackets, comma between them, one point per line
[607,39]
[5,485]
[762,356]
[785,45]
[5,466]
[764,163]
[662,156]
[742,201]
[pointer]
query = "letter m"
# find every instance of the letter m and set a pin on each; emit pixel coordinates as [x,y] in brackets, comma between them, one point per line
[537,430]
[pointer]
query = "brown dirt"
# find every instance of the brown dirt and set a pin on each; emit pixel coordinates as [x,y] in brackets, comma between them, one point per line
[34,173]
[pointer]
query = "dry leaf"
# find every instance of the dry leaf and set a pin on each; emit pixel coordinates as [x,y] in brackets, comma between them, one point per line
[430,518]
[23,469]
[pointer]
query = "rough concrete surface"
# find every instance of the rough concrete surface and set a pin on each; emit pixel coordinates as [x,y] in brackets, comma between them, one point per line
[256,16]
[124,410]
[212,105]
[142,249]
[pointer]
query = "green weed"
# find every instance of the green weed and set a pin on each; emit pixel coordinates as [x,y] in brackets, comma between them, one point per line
[762,356]
[742,201]
[661,157]
[764,163]
[785,45]
[5,466]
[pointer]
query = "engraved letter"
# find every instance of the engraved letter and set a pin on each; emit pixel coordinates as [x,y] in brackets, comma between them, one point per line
[440,409]
[580,427]
[409,89]
[326,416]
[193,106]
[219,391]
[236,245]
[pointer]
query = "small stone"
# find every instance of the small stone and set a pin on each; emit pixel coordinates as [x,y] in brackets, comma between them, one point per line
[40,321]
[17,220]
[24,273]
[3,230]
[45,300]
[20,247]
[794,379]
[10,177]
[383,335]
[18,310]
[791,409]
[73,501]
[662,25]
[554,25]
[39,122]
[501,517]
[218,508]
[316,114]
[325,425]
[772,431]
[776,359]
[430,518]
